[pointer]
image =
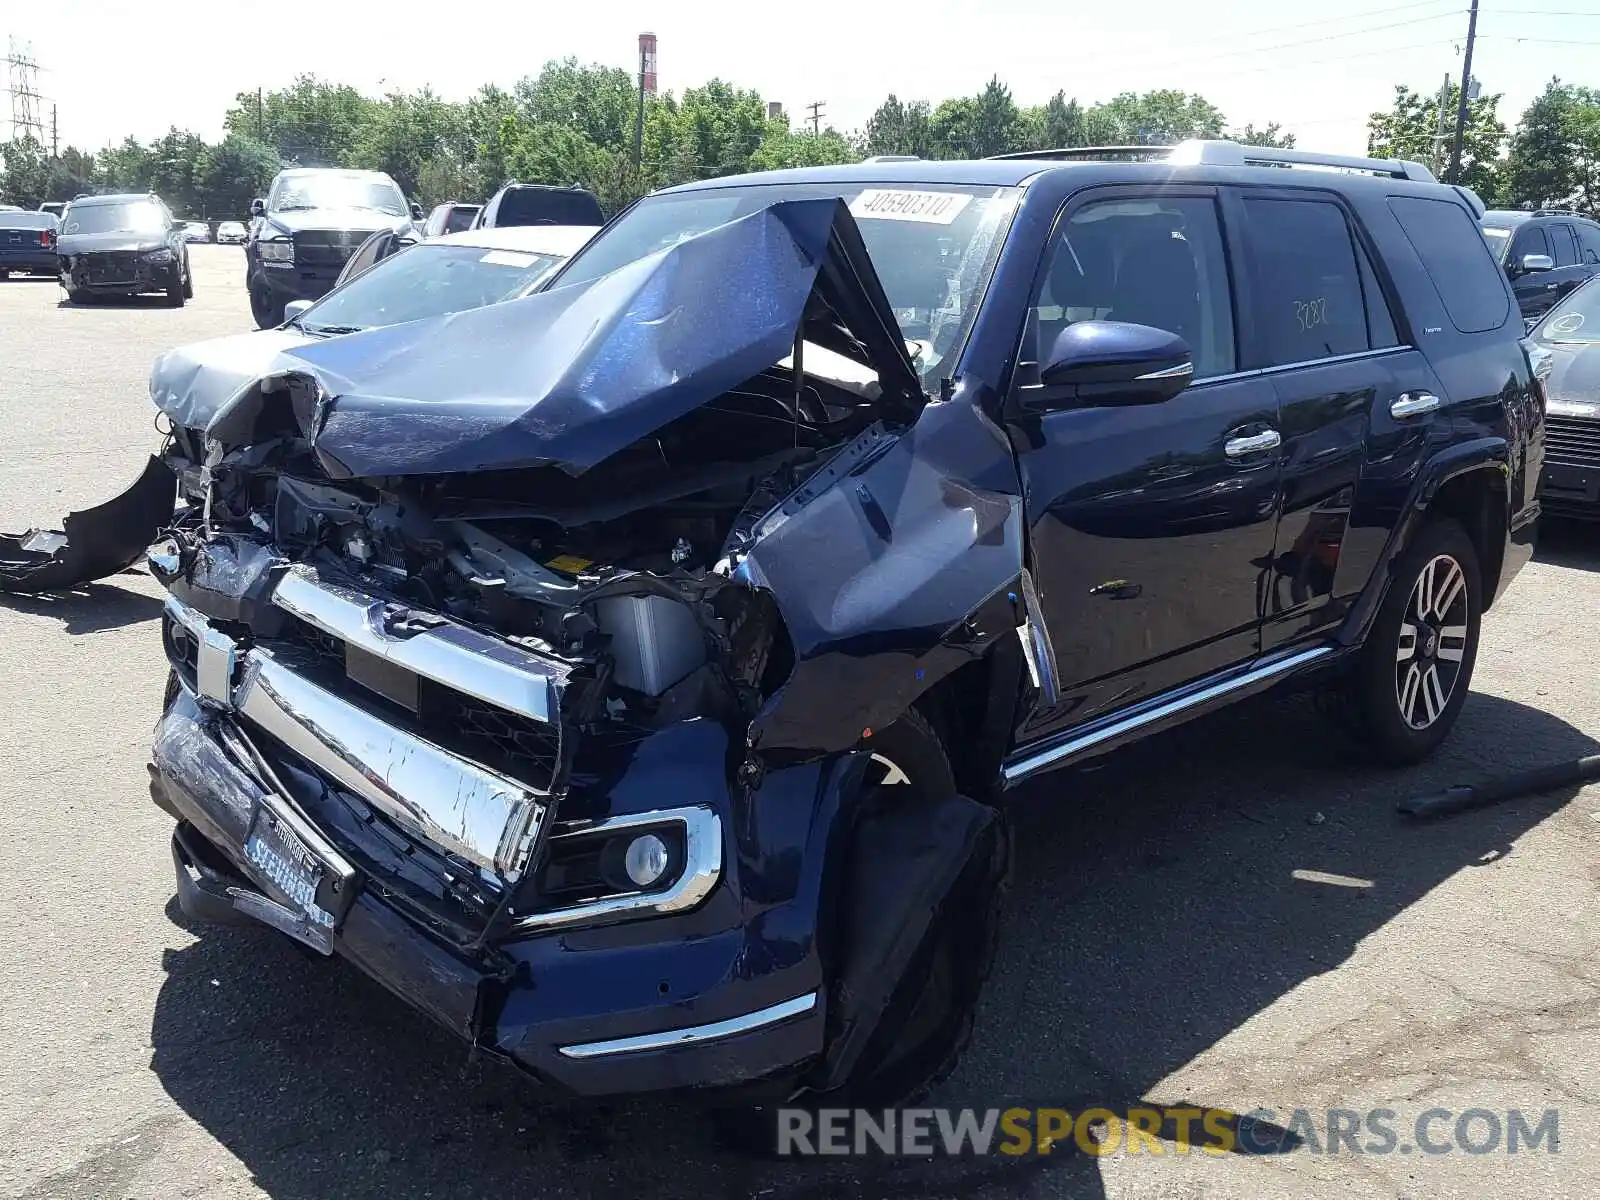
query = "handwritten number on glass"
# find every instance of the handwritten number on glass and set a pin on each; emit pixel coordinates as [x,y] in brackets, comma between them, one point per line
[1311,313]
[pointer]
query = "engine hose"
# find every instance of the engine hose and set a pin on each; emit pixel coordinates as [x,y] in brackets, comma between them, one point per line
[1463,797]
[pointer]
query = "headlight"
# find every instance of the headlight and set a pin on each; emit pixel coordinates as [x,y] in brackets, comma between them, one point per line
[278,252]
[159,256]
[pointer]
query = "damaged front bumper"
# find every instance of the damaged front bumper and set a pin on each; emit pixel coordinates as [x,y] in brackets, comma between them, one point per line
[94,542]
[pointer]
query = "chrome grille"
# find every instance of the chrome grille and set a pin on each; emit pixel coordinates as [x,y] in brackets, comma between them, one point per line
[1572,440]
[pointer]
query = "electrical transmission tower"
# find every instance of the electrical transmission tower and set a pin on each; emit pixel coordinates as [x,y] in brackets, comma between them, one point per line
[27,107]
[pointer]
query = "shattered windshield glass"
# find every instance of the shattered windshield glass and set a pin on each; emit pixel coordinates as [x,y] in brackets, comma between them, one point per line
[933,246]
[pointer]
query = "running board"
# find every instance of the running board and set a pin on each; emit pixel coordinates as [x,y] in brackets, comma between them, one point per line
[1110,731]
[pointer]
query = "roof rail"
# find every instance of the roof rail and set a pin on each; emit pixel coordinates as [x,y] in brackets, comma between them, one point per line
[1212,152]
[1556,212]
[882,158]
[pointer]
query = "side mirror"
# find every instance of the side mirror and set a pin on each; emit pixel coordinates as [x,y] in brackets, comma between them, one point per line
[293,309]
[416,212]
[258,207]
[1113,362]
[1538,262]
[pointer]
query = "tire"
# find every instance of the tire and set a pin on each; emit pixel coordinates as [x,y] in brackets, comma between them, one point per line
[268,313]
[4,274]
[1415,669]
[175,295]
[931,1015]
[188,280]
[80,296]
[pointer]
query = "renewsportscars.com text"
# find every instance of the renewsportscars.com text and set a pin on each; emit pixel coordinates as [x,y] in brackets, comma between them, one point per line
[1169,1130]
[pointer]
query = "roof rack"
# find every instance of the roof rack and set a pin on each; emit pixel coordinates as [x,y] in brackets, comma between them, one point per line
[1556,212]
[882,158]
[1198,152]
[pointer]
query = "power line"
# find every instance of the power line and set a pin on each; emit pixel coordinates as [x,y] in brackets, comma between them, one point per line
[1511,37]
[1188,59]
[1453,7]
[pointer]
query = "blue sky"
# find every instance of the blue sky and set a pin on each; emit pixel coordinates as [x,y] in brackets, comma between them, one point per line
[1318,69]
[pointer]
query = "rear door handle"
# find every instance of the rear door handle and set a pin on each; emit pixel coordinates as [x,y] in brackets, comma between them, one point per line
[1412,404]
[1238,447]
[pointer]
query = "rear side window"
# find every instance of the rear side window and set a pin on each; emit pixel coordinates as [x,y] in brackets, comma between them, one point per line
[1566,250]
[1308,301]
[1446,239]
[538,206]
[1589,242]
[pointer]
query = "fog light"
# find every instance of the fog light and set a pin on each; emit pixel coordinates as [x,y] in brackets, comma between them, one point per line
[646,860]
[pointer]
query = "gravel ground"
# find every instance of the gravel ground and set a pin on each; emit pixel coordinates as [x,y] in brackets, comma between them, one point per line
[1232,917]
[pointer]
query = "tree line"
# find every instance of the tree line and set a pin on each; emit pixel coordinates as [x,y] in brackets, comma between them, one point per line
[578,124]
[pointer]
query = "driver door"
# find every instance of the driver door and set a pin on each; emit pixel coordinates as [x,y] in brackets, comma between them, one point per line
[1151,525]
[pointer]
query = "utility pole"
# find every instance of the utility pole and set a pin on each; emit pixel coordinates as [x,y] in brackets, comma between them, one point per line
[23,86]
[55,135]
[816,115]
[261,132]
[1441,139]
[1461,105]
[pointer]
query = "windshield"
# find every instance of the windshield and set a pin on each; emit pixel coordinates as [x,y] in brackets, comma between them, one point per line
[427,280]
[1498,240]
[333,190]
[129,216]
[27,220]
[1576,319]
[933,245]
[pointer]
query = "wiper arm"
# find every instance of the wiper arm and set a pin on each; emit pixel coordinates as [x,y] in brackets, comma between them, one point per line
[333,330]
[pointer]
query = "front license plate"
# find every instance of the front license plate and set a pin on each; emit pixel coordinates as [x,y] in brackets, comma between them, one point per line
[312,883]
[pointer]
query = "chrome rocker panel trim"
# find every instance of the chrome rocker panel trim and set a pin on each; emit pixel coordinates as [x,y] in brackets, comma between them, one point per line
[1032,759]
[702,867]
[690,1034]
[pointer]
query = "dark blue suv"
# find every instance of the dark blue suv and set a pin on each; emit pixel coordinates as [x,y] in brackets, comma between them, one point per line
[633,676]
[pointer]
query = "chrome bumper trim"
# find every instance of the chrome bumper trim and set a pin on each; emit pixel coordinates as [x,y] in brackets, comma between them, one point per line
[483,817]
[690,1034]
[455,655]
[702,867]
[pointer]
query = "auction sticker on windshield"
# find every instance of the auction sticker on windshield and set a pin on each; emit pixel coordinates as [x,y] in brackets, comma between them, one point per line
[508,258]
[892,204]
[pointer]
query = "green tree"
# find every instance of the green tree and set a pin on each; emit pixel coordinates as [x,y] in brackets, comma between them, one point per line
[1554,157]
[1158,118]
[1271,135]
[311,122]
[898,128]
[1410,130]
[403,133]
[25,175]
[953,128]
[233,172]
[1062,124]
[996,124]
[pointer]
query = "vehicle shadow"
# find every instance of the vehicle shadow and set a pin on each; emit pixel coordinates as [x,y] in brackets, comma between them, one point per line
[155,300]
[1566,542]
[90,608]
[1154,912]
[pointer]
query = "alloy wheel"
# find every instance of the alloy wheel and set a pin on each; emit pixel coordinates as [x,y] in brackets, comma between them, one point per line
[1432,642]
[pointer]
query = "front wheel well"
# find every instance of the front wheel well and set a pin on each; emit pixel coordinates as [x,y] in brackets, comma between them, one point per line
[973,710]
[1476,500]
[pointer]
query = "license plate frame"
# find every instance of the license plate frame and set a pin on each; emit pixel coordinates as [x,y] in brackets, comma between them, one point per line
[309,884]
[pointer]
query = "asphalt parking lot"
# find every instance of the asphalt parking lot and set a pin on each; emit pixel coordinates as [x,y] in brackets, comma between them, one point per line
[1232,917]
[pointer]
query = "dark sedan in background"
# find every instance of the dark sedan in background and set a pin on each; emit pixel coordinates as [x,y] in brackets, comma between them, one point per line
[1570,334]
[28,243]
[123,246]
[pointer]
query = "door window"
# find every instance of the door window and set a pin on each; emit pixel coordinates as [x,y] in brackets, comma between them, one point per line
[1566,249]
[1308,301]
[1155,261]
[1589,243]
[1464,274]
[1529,240]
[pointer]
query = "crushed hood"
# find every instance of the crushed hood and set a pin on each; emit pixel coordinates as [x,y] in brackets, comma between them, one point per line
[191,383]
[573,375]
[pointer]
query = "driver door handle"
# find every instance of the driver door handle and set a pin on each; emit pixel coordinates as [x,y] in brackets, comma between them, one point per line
[1239,447]
[1411,404]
